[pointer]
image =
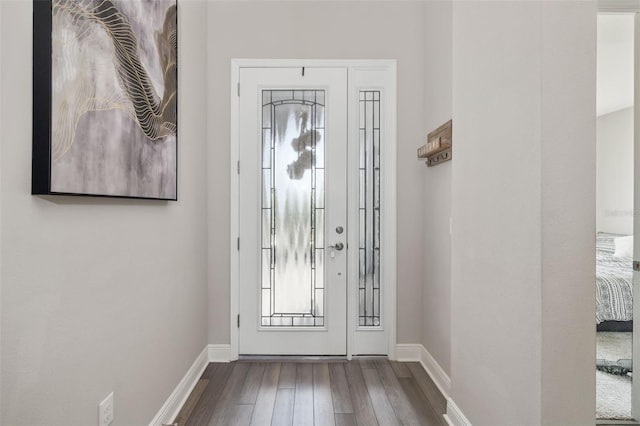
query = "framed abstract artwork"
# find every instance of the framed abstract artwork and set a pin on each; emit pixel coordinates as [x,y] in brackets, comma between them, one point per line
[105,90]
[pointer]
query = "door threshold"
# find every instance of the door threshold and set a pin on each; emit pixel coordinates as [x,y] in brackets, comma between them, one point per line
[293,358]
[617,422]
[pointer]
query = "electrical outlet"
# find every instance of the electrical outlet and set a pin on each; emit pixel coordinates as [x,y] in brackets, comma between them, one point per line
[105,411]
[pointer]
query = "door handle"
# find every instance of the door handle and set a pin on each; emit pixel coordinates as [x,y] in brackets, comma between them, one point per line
[337,246]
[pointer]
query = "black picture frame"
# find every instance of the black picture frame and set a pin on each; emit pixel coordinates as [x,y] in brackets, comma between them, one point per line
[147,163]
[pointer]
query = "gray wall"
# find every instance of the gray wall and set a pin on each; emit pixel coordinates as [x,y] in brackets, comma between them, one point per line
[99,295]
[523,212]
[614,190]
[496,307]
[568,66]
[321,30]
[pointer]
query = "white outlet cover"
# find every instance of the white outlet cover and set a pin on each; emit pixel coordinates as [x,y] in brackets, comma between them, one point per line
[105,411]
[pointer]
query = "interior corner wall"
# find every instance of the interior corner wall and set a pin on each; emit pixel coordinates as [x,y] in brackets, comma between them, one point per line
[436,181]
[614,165]
[99,295]
[523,208]
[320,30]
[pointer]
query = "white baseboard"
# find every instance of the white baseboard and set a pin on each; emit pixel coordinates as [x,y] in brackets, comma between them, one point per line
[454,416]
[173,405]
[179,396]
[437,374]
[418,353]
[219,353]
[408,353]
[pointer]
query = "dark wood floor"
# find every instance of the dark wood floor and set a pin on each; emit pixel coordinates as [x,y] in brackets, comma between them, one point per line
[361,392]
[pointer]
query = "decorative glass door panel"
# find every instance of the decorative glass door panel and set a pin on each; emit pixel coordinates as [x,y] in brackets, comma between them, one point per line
[293,149]
[292,208]
[369,209]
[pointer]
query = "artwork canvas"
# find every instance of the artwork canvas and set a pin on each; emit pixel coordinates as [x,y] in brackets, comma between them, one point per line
[105,98]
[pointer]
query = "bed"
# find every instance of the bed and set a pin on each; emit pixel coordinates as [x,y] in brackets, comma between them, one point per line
[614,286]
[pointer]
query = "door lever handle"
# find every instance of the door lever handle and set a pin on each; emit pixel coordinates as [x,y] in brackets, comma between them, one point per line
[337,246]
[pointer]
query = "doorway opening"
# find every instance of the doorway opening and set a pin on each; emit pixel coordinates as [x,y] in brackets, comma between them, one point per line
[616,391]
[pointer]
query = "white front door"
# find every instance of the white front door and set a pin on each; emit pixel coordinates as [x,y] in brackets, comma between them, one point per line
[293,211]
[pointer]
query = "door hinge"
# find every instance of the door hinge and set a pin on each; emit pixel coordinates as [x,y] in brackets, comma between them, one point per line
[636,265]
[238,166]
[238,243]
[238,89]
[238,320]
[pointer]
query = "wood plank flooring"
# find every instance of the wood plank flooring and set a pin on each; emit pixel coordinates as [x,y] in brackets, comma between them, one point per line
[361,392]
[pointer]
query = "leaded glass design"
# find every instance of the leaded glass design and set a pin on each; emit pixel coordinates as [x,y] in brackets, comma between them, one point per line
[369,247]
[292,283]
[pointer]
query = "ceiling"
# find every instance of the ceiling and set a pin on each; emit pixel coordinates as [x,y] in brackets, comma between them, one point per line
[615,62]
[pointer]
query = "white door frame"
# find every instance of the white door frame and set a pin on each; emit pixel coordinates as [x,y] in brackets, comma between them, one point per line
[388,191]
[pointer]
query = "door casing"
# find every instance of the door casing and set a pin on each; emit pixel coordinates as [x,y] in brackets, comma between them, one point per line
[357,71]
